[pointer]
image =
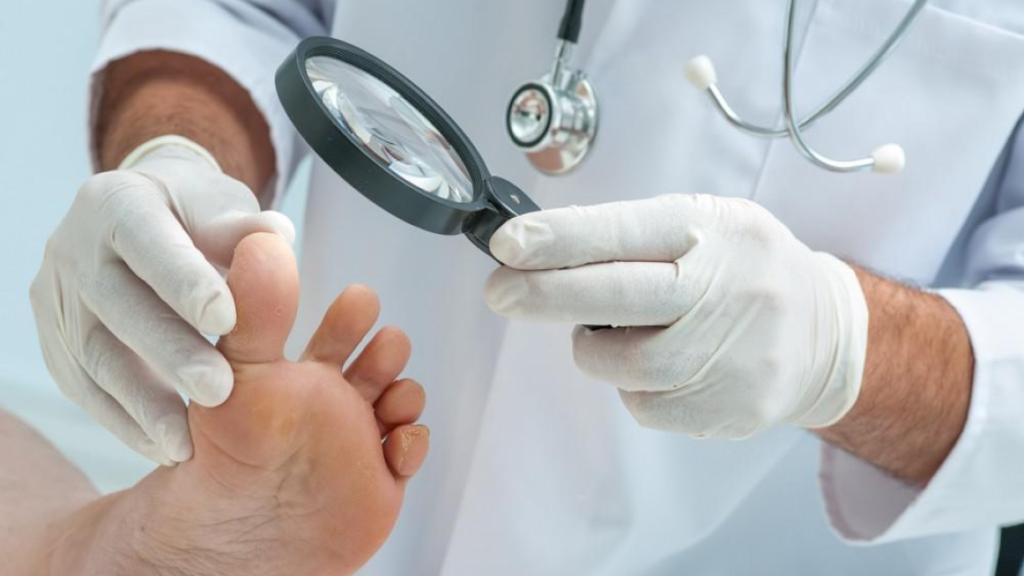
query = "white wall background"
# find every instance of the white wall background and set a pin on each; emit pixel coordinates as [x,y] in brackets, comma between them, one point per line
[45,53]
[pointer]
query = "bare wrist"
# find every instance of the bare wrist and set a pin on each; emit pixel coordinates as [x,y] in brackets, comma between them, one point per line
[916,385]
[157,93]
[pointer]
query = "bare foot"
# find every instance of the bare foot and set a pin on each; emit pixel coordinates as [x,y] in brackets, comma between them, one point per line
[300,472]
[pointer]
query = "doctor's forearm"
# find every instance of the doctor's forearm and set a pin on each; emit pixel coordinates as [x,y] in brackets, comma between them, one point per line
[916,386]
[155,93]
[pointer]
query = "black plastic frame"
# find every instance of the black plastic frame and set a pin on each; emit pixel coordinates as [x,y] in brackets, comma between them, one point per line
[495,201]
[357,166]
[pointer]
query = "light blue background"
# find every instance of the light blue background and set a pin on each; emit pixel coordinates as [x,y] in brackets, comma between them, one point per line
[46,50]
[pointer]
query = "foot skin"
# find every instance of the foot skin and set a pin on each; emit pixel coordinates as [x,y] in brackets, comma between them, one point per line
[301,471]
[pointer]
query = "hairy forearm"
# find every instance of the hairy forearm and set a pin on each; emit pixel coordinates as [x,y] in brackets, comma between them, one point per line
[917,383]
[154,93]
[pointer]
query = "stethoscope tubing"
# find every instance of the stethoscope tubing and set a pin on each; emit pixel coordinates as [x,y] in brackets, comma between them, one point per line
[794,128]
[832,102]
[888,158]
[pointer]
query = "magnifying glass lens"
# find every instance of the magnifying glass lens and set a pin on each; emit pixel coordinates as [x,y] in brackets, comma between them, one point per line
[395,133]
[392,143]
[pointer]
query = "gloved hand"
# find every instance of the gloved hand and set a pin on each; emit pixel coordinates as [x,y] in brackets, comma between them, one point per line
[723,322]
[129,281]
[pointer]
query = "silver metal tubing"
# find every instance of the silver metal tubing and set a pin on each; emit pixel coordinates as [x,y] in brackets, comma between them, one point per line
[880,56]
[830,104]
[792,126]
[735,120]
[563,53]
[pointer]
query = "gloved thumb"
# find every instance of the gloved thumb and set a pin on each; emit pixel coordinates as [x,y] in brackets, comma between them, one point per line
[218,238]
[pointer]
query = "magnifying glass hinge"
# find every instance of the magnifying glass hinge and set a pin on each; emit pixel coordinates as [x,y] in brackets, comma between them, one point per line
[508,199]
[505,201]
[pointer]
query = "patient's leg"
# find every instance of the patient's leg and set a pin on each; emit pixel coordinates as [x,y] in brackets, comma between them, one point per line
[300,472]
[37,486]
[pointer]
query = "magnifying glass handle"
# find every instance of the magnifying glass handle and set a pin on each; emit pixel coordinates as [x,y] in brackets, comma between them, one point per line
[505,202]
[509,199]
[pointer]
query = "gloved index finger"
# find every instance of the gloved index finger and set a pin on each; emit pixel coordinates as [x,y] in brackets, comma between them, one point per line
[658,229]
[605,294]
[152,242]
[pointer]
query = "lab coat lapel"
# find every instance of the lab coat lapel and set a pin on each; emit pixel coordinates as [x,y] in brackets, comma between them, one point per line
[950,95]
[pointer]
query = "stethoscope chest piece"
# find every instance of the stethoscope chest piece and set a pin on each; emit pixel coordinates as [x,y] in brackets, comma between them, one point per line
[554,120]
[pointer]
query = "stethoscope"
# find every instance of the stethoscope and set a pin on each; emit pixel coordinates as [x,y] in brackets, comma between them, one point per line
[399,148]
[554,119]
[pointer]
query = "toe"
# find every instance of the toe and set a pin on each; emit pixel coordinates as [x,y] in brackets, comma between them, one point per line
[405,449]
[401,403]
[380,363]
[346,323]
[264,281]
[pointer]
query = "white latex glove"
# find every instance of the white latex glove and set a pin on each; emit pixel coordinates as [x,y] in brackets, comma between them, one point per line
[725,322]
[130,280]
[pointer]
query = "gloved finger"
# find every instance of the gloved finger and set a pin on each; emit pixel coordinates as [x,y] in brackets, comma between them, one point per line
[102,408]
[172,348]
[151,403]
[634,359]
[696,412]
[219,237]
[653,230]
[612,294]
[145,233]
[80,388]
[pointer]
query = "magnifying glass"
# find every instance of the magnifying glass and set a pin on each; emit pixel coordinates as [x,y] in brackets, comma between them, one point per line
[392,142]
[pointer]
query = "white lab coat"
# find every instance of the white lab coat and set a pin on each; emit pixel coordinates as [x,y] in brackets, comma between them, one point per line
[535,470]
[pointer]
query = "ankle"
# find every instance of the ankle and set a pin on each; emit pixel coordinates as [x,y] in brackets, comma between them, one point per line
[107,538]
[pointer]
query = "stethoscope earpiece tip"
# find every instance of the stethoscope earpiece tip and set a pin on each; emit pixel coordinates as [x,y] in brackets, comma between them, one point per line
[700,71]
[889,159]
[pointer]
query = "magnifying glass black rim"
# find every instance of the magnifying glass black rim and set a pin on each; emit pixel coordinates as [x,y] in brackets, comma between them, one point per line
[357,165]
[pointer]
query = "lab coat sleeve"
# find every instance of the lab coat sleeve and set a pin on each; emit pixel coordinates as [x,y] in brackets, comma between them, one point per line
[247,39]
[981,482]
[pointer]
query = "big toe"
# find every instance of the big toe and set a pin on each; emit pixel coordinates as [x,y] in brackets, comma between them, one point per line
[264,281]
